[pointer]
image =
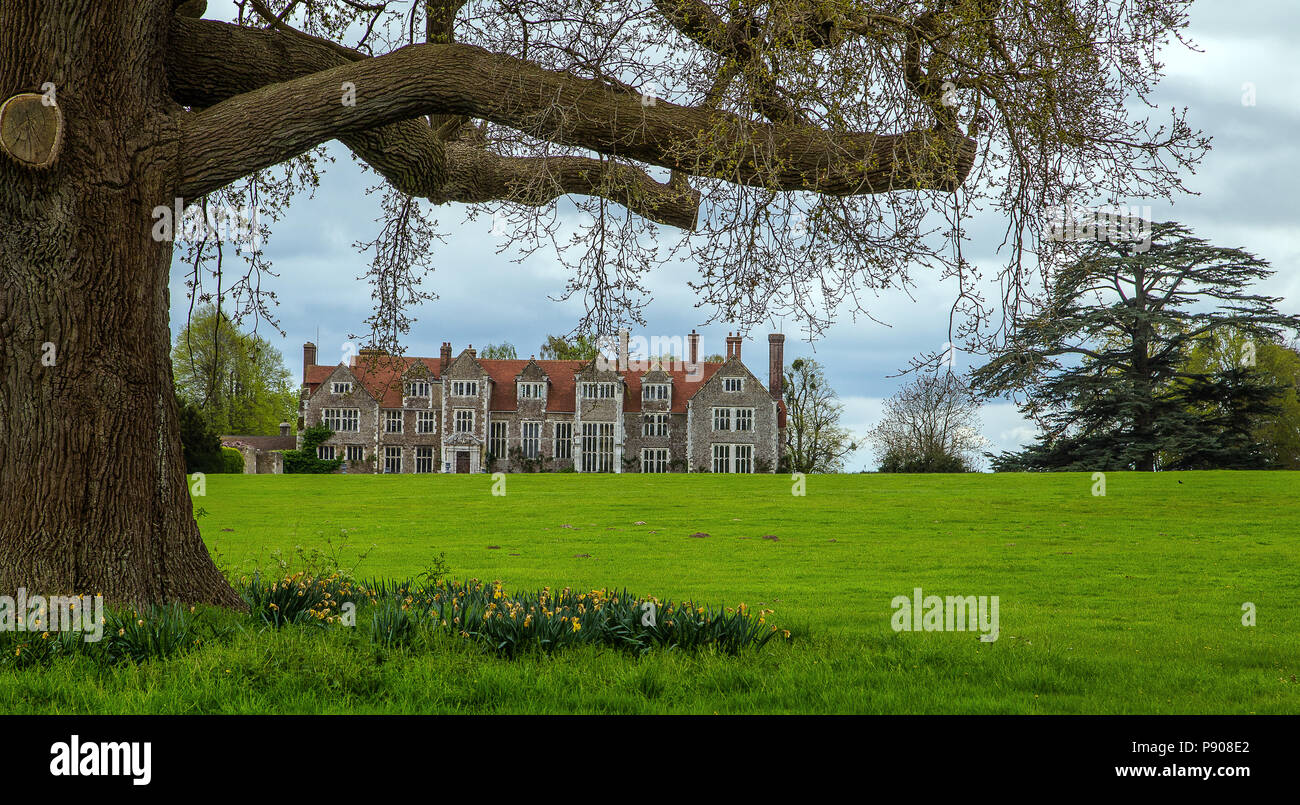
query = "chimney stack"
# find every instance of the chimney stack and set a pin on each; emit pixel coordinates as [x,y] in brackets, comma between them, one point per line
[624,338]
[284,428]
[445,358]
[775,364]
[733,346]
[473,353]
[370,356]
[693,349]
[308,359]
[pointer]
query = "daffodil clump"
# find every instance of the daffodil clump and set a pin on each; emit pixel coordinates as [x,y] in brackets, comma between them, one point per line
[547,620]
[155,632]
[302,598]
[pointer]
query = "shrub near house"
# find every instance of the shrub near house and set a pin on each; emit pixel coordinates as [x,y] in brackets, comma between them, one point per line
[232,460]
[306,459]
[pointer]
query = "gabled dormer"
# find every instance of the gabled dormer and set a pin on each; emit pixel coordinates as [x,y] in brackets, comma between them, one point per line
[656,389]
[733,377]
[598,390]
[343,386]
[532,384]
[465,379]
[598,379]
[418,386]
[343,403]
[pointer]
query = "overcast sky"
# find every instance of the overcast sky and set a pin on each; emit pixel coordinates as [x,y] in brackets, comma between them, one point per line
[1247,186]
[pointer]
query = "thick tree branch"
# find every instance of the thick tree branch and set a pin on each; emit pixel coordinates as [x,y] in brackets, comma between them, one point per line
[210,62]
[266,126]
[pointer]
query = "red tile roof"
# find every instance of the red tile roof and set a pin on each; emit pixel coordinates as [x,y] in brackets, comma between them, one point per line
[383,379]
[317,375]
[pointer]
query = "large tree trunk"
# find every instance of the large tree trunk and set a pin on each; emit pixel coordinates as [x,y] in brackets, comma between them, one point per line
[93,490]
[1144,424]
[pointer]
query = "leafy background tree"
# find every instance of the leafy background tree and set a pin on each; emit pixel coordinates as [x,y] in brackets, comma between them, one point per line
[505,351]
[1102,365]
[1268,427]
[200,446]
[237,380]
[932,424]
[814,439]
[574,348]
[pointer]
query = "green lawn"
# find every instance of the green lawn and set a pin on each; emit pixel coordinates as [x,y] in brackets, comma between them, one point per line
[1127,603]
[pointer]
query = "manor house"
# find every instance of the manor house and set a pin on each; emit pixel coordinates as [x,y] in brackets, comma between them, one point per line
[466,414]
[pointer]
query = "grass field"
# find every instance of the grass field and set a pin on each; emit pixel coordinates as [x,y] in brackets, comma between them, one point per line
[1125,603]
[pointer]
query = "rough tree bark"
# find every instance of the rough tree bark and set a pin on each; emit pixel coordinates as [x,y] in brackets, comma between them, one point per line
[93,496]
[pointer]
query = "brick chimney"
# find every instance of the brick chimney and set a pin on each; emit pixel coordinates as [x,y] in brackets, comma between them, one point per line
[733,346]
[693,349]
[624,338]
[284,428]
[775,364]
[444,359]
[308,359]
[473,353]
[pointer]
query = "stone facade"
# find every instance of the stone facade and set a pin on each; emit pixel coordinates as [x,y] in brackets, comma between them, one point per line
[466,389]
[734,419]
[345,403]
[470,415]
